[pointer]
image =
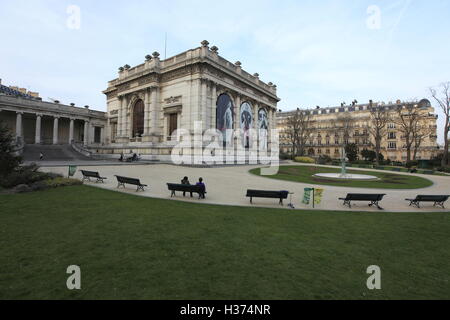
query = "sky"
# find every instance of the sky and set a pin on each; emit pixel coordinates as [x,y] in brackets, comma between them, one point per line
[318,53]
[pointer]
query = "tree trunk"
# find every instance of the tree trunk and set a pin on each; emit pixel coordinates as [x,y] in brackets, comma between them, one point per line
[445,157]
[377,151]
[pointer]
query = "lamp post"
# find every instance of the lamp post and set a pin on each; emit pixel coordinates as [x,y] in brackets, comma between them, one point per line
[344,168]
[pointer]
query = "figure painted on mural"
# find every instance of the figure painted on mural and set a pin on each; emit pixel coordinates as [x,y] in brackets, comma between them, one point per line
[263,127]
[225,117]
[246,124]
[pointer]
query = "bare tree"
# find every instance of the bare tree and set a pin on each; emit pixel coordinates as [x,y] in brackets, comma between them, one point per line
[443,100]
[345,124]
[299,127]
[379,117]
[407,120]
[420,132]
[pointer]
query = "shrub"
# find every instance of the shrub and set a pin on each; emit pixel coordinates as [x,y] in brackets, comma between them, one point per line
[444,169]
[324,159]
[413,163]
[362,162]
[285,156]
[25,175]
[62,182]
[304,160]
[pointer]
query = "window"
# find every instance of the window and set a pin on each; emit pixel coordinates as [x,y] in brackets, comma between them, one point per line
[392,145]
[392,135]
[173,122]
[138,119]
[391,125]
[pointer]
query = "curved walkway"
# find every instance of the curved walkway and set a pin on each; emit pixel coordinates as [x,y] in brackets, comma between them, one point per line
[228,185]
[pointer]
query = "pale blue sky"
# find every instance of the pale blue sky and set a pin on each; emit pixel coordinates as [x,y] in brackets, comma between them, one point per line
[317,52]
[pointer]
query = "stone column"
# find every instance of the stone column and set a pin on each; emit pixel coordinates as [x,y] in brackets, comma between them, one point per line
[86,133]
[154,114]
[37,137]
[71,130]
[146,113]
[255,115]
[102,133]
[127,120]
[120,118]
[55,130]
[203,107]
[237,106]
[213,106]
[19,125]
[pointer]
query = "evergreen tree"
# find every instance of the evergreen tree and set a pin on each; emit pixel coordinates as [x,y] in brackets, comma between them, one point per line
[8,161]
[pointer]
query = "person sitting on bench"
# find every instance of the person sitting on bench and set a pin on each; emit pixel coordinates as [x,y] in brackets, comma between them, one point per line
[203,188]
[185,181]
[121,157]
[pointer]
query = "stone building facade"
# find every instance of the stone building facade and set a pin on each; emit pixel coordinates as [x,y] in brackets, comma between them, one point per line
[334,127]
[148,102]
[34,121]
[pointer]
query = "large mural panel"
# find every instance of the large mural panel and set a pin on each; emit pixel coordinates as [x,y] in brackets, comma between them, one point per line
[246,120]
[225,117]
[263,126]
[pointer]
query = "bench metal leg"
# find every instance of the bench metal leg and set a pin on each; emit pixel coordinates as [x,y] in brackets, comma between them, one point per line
[121,184]
[347,203]
[173,194]
[439,204]
[375,203]
[281,201]
[251,200]
[86,179]
[140,188]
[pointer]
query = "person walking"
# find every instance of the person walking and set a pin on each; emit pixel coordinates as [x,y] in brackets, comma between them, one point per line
[41,156]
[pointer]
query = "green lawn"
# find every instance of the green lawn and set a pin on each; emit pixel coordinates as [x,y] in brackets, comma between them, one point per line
[388,180]
[131,247]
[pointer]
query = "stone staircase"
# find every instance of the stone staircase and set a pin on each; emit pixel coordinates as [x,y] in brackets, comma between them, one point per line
[52,153]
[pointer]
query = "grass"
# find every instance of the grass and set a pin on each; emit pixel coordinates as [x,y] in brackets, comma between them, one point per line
[131,247]
[387,180]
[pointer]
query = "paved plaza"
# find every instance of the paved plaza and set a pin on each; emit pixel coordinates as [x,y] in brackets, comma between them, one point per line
[228,185]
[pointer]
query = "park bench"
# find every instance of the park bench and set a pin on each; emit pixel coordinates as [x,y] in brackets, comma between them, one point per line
[267,194]
[373,198]
[87,175]
[396,169]
[438,200]
[173,187]
[428,172]
[136,182]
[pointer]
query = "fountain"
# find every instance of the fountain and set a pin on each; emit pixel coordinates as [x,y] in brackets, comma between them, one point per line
[344,175]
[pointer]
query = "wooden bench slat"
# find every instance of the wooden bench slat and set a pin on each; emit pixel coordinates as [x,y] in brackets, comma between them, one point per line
[373,198]
[438,200]
[267,194]
[133,181]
